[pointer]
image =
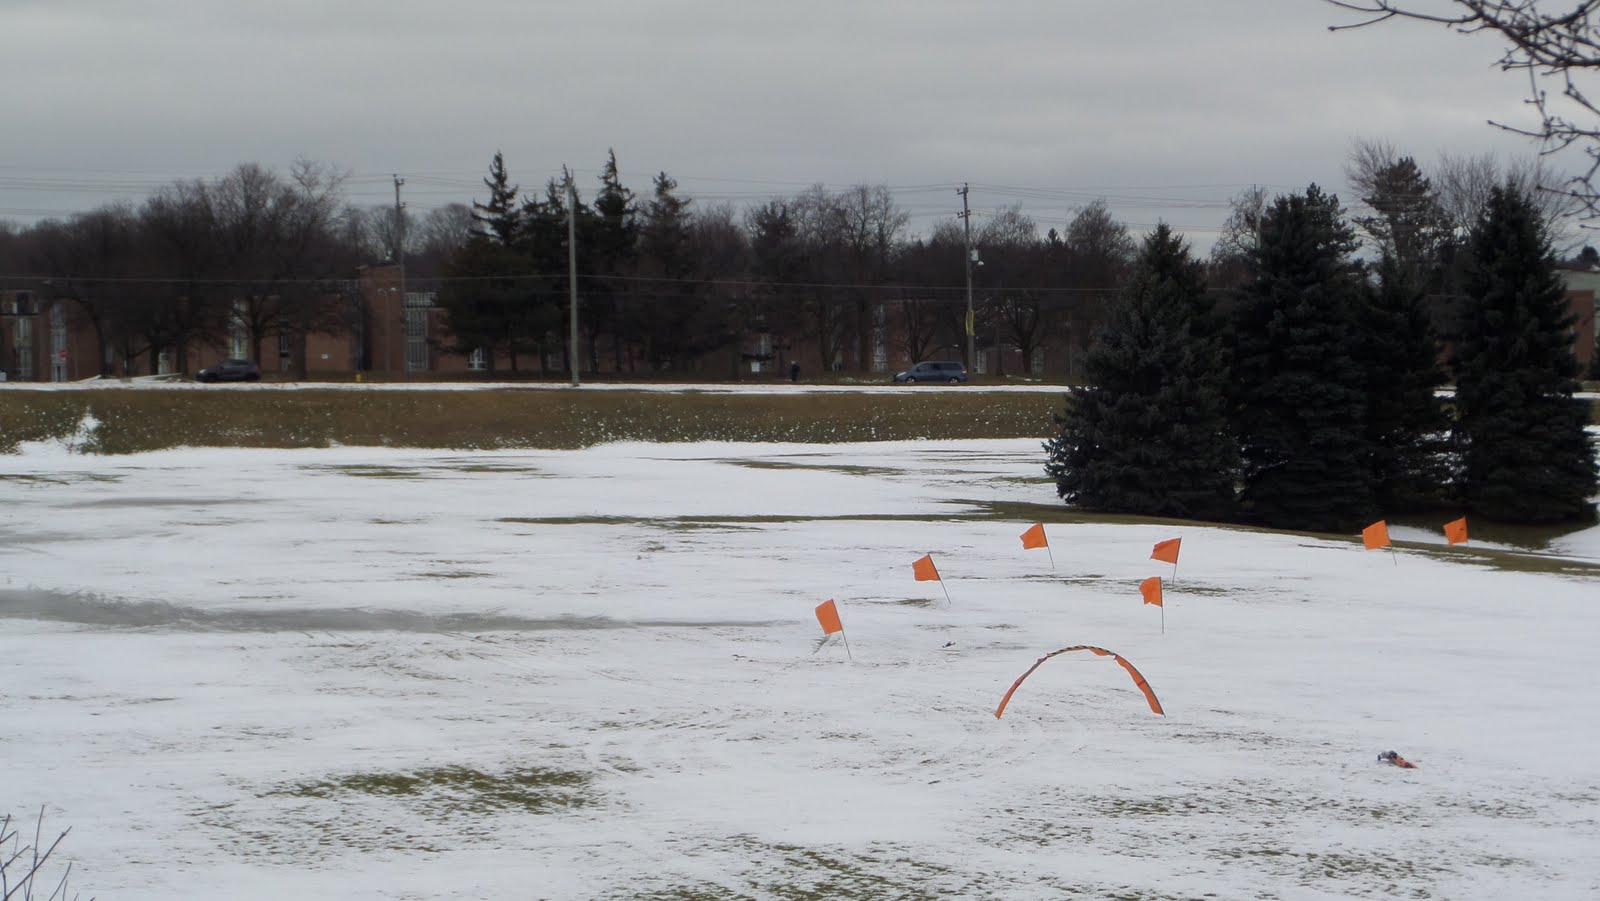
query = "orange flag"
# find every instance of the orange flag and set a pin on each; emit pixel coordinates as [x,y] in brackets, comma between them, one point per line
[1167,551]
[1151,589]
[1034,537]
[1456,532]
[828,616]
[925,570]
[1375,535]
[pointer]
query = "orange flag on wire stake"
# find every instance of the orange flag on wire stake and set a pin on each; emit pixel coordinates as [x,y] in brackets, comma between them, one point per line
[1375,536]
[1151,590]
[1034,537]
[1167,551]
[828,616]
[926,572]
[1456,531]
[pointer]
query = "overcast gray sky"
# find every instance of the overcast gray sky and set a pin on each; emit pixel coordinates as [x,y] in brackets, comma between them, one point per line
[1166,107]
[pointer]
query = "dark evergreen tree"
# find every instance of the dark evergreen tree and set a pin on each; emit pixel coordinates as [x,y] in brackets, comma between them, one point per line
[608,239]
[667,306]
[777,262]
[1407,222]
[543,313]
[485,296]
[498,217]
[1299,401]
[480,297]
[1406,425]
[1525,454]
[1150,433]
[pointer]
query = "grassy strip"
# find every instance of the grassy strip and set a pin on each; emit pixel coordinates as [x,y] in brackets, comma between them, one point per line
[135,421]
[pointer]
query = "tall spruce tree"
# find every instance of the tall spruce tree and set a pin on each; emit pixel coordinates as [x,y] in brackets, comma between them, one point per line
[498,219]
[665,318]
[1299,401]
[544,248]
[1149,435]
[610,235]
[1406,425]
[1525,455]
[484,298]
[1407,222]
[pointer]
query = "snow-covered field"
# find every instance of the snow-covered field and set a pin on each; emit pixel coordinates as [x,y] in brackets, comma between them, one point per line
[361,673]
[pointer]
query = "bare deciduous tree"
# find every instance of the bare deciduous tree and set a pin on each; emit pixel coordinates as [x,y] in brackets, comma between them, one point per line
[1230,255]
[1099,253]
[1015,273]
[23,866]
[444,230]
[872,226]
[1560,48]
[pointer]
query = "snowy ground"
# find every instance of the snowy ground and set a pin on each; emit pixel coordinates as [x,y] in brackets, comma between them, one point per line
[368,674]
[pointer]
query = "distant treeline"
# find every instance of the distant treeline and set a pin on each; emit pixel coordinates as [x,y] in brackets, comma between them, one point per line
[664,281]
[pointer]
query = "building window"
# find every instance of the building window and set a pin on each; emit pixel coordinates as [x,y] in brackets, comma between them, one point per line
[238,334]
[763,352]
[164,361]
[880,338]
[478,360]
[58,343]
[24,348]
[418,307]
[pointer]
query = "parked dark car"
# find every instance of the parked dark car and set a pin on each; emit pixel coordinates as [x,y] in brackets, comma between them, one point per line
[934,371]
[230,371]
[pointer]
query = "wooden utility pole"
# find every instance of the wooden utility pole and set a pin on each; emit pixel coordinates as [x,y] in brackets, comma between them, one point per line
[572,278]
[400,257]
[966,220]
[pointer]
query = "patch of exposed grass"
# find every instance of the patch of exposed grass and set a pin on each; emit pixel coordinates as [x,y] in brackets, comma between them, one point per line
[466,466]
[684,522]
[134,421]
[367,471]
[1508,561]
[458,790]
[1179,588]
[1522,537]
[702,891]
[452,574]
[824,874]
[1057,513]
[35,416]
[846,469]
[31,478]
[402,812]
[1040,833]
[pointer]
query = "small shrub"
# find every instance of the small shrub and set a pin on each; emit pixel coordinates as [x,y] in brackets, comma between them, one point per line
[23,866]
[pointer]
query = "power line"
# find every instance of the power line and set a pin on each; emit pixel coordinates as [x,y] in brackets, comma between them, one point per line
[89,280]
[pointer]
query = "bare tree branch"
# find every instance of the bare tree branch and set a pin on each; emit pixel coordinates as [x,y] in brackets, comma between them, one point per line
[1550,47]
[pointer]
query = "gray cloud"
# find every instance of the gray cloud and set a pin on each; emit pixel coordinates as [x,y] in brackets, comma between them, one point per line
[1170,100]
